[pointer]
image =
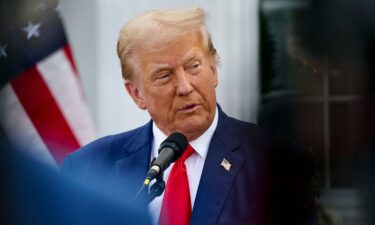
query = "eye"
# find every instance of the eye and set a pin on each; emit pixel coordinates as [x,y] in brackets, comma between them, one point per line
[163,76]
[195,67]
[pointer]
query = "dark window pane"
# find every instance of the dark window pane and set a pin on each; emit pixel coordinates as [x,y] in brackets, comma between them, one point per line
[309,125]
[347,79]
[348,135]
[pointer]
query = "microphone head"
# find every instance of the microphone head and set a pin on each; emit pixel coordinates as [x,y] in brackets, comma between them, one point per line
[176,141]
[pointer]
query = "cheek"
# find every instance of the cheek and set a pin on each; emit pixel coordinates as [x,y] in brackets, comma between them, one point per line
[210,84]
[155,95]
[211,77]
[160,101]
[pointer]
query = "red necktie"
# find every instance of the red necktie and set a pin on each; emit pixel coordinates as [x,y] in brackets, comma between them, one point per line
[176,206]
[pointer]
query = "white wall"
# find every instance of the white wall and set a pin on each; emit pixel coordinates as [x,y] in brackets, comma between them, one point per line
[93,28]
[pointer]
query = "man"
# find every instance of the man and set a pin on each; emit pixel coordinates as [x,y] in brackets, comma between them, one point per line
[169,66]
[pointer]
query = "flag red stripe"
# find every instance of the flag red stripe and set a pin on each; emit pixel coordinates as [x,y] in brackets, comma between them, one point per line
[44,113]
[69,54]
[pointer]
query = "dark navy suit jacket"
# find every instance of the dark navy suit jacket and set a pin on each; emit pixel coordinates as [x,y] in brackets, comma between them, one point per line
[32,193]
[243,195]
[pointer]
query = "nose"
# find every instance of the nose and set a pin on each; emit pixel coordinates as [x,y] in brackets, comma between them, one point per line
[183,83]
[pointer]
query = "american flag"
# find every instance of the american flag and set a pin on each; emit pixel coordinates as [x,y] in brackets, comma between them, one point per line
[43,108]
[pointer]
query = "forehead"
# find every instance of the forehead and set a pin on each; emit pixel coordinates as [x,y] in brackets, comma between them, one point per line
[178,50]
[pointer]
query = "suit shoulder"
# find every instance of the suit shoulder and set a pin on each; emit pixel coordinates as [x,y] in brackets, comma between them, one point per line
[111,145]
[249,131]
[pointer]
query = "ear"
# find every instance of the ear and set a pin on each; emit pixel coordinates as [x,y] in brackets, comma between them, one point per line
[134,92]
[213,69]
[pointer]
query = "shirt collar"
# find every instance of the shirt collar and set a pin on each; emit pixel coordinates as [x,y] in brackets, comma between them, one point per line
[200,145]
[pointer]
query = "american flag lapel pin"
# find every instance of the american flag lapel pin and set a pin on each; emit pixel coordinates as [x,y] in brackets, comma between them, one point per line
[226,164]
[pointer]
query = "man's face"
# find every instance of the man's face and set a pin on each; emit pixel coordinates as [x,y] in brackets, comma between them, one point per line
[176,84]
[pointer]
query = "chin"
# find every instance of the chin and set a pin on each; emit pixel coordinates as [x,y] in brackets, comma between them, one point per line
[194,128]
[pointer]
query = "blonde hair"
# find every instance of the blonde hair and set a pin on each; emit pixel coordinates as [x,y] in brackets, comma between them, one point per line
[161,27]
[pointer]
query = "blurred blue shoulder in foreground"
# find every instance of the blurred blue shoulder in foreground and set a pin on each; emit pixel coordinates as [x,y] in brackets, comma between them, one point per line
[32,193]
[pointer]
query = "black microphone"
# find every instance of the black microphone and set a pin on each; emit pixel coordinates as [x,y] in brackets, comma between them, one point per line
[169,151]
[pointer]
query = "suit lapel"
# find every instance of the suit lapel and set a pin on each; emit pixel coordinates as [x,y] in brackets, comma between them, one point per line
[132,166]
[216,181]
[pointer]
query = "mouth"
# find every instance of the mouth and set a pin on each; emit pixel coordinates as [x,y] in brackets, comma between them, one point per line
[188,107]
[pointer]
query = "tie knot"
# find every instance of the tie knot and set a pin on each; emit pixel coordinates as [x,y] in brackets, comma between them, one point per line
[188,151]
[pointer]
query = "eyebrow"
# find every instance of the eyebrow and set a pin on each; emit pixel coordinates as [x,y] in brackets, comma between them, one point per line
[192,54]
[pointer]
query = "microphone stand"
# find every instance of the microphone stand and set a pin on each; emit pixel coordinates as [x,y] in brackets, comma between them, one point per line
[156,189]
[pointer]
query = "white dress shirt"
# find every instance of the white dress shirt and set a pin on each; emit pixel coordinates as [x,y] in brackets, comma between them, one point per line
[194,164]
